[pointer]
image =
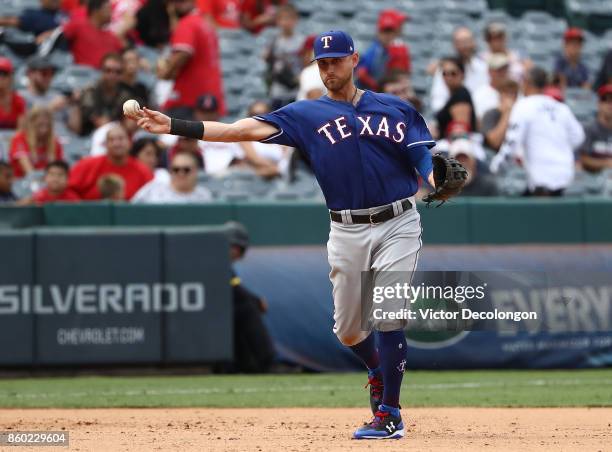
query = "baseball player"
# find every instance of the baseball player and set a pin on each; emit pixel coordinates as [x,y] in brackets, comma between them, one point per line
[364,148]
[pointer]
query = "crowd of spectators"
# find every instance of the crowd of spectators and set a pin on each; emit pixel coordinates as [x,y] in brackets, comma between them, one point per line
[491,107]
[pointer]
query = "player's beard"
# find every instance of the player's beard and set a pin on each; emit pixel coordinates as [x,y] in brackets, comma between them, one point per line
[336,84]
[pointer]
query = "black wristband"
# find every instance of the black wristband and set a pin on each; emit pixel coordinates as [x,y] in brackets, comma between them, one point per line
[189,129]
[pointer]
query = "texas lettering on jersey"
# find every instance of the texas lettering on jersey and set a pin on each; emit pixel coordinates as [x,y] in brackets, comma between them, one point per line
[337,129]
[363,155]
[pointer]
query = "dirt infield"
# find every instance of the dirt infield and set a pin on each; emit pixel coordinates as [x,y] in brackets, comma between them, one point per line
[318,429]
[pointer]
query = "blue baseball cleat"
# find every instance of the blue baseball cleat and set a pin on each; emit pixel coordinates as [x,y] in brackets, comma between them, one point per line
[386,424]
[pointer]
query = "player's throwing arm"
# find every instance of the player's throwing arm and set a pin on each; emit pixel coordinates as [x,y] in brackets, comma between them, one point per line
[247,129]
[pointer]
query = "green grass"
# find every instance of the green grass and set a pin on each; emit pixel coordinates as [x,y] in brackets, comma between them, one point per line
[465,388]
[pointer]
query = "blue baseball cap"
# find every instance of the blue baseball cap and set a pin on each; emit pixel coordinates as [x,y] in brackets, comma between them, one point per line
[333,44]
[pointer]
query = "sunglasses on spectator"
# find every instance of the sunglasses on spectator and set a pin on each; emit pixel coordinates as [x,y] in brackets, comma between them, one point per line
[47,72]
[181,169]
[607,98]
[450,73]
[5,73]
[112,70]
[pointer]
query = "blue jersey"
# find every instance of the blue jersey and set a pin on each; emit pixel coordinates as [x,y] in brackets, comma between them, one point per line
[362,156]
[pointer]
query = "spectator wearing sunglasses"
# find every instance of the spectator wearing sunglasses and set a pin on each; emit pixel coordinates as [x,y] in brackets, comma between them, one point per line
[38,91]
[102,103]
[475,72]
[459,107]
[12,105]
[183,187]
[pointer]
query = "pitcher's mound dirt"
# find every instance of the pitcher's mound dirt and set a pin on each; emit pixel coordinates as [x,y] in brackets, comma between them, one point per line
[319,429]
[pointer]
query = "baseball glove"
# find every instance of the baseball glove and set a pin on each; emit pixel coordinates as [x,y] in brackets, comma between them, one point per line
[449,176]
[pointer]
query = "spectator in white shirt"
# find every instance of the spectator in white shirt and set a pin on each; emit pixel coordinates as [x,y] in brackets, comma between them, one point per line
[543,133]
[495,36]
[487,96]
[475,75]
[182,188]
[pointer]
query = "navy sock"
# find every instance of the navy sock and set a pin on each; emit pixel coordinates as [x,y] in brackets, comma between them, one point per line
[366,350]
[392,347]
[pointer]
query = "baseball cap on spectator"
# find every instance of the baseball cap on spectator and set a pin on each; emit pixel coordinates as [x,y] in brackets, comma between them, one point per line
[207,102]
[554,92]
[6,65]
[604,90]
[333,44]
[40,62]
[390,19]
[573,33]
[498,61]
[462,146]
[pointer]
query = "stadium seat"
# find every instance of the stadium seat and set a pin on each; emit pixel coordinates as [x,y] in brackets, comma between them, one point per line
[512,181]
[22,43]
[582,102]
[75,77]
[147,78]
[150,54]
[61,59]
[75,148]
[495,15]
[586,183]
[9,8]
[5,142]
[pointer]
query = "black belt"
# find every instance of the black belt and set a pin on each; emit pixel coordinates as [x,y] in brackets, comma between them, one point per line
[375,218]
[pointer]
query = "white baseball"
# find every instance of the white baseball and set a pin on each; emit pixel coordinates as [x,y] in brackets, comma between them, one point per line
[131,108]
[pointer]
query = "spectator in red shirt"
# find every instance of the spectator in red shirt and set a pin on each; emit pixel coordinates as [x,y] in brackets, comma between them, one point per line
[255,15]
[89,38]
[194,63]
[33,147]
[12,105]
[387,53]
[223,13]
[69,6]
[86,173]
[56,185]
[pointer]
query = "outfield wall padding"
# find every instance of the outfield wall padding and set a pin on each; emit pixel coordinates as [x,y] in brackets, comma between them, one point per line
[90,296]
[296,284]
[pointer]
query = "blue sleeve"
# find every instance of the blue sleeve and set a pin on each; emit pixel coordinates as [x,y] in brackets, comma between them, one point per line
[286,121]
[420,157]
[417,132]
[418,142]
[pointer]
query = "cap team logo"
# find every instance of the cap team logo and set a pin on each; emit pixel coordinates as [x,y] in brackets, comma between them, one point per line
[325,40]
